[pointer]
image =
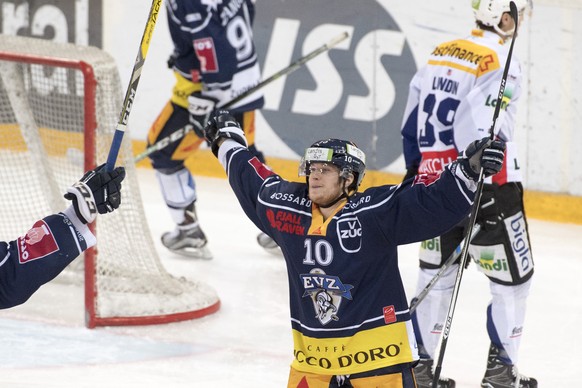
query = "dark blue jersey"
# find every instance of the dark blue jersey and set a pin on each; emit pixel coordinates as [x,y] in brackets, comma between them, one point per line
[214,47]
[349,311]
[39,256]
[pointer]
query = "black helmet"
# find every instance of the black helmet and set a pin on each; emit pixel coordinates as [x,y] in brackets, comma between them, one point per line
[341,153]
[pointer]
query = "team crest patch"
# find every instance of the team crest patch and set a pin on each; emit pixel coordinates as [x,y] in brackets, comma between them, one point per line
[38,242]
[349,232]
[326,293]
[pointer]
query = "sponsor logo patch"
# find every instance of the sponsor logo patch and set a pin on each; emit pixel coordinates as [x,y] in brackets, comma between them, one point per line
[492,261]
[349,232]
[516,332]
[435,162]
[516,228]
[437,328]
[286,222]
[389,314]
[206,54]
[488,63]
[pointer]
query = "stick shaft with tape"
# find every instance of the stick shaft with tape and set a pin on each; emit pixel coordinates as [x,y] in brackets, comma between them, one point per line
[134,81]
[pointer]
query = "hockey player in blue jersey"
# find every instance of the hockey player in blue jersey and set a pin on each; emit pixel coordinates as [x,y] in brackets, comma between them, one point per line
[55,241]
[214,61]
[350,320]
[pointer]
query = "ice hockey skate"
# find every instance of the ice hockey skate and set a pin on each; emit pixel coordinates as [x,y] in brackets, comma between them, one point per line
[500,375]
[424,376]
[188,240]
[269,244]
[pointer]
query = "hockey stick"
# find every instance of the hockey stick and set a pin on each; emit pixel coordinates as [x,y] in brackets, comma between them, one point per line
[180,133]
[473,217]
[132,87]
[452,258]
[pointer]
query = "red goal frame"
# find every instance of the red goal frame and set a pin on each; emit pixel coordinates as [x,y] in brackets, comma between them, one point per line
[90,255]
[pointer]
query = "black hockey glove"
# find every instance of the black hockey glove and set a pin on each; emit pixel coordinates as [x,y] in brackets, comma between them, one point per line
[172,60]
[201,109]
[223,126]
[484,153]
[410,172]
[488,215]
[97,191]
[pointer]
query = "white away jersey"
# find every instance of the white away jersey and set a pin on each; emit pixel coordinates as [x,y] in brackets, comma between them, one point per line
[451,103]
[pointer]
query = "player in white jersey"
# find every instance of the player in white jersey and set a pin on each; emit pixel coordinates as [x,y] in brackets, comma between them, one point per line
[450,104]
[214,61]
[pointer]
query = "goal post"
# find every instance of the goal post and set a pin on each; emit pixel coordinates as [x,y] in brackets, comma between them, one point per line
[58,108]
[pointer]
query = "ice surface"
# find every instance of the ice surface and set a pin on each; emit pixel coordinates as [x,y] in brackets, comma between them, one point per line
[247,344]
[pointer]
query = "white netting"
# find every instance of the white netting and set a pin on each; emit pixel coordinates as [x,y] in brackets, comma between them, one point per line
[42,120]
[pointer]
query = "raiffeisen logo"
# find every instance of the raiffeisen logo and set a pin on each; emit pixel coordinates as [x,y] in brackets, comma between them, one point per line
[357,89]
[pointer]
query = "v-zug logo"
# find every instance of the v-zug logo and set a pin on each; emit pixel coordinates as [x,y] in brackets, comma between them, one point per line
[349,231]
[357,89]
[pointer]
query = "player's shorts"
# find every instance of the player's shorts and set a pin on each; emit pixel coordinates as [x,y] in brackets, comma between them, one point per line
[394,377]
[174,118]
[503,252]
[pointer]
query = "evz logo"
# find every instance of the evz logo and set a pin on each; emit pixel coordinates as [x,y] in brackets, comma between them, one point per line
[349,231]
[326,293]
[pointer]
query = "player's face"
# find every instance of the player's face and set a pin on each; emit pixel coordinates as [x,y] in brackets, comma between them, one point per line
[325,184]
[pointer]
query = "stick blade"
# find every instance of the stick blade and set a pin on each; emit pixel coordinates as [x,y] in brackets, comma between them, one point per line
[514,15]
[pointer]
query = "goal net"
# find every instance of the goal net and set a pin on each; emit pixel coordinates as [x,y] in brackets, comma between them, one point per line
[59,104]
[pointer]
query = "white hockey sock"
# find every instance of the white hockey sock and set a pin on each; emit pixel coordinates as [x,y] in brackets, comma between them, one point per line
[179,191]
[431,312]
[508,308]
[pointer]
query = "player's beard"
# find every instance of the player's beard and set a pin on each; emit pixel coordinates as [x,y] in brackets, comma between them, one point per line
[324,196]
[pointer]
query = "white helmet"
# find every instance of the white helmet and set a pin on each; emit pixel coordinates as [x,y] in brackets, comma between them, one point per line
[489,12]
